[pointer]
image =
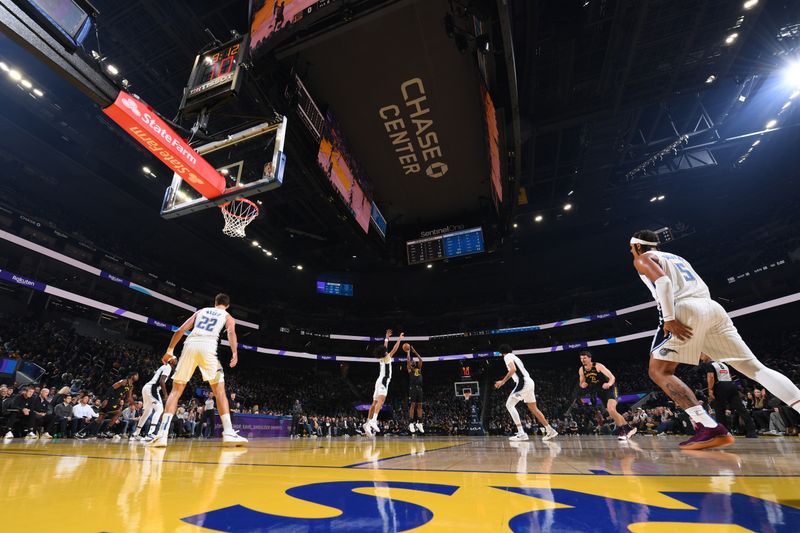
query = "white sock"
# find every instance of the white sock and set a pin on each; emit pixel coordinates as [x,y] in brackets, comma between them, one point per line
[374,419]
[700,416]
[166,420]
[549,428]
[227,427]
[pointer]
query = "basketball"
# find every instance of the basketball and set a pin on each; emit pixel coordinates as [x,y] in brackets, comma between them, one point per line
[406,347]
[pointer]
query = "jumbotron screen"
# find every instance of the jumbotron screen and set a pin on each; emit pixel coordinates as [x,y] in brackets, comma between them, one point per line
[334,288]
[455,244]
[274,15]
[332,160]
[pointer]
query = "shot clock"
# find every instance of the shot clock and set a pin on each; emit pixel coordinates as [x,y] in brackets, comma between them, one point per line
[216,75]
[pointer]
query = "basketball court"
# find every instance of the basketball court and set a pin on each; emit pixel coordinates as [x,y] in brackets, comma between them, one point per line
[387,149]
[399,484]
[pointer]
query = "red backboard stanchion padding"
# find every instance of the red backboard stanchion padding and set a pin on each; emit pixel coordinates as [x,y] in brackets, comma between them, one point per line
[143,124]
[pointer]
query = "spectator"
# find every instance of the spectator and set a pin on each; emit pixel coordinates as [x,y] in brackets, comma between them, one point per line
[63,416]
[20,411]
[130,417]
[82,416]
[43,414]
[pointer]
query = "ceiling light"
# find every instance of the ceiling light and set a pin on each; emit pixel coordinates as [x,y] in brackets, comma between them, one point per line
[792,74]
[429,265]
[259,202]
[570,193]
[355,257]
[711,79]
[516,225]
[255,243]
[299,267]
[224,171]
[653,199]
[146,170]
[38,93]
[661,197]
[112,70]
[772,123]
[730,39]
[567,207]
[750,4]
[742,98]
[794,95]
[757,142]
[25,83]
[787,104]
[3,67]
[538,218]
[14,75]
[207,60]
[269,254]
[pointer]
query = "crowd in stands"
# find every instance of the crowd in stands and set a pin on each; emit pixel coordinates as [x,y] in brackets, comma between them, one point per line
[78,370]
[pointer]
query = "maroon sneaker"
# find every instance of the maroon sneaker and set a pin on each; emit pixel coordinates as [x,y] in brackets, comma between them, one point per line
[708,438]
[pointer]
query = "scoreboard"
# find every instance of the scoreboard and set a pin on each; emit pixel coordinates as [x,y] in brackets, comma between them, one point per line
[337,289]
[455,244]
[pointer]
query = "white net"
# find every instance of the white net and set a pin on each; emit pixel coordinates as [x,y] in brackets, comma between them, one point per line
[238,214]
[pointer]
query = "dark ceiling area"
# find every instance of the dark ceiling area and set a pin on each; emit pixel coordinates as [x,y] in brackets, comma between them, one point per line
[635,113]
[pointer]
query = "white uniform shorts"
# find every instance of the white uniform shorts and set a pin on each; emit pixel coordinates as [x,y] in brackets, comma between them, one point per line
[202,354]
[148,398]
[524,392]
[380,389]
[713,334]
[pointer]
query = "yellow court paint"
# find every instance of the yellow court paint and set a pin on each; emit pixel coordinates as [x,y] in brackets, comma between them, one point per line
[392,484]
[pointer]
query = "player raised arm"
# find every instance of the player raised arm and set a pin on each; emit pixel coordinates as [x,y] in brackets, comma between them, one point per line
[408,361]
[230,325]
[512,368]
[178,335]
[582,378]
[647,266]
[419,357]
[607,373]
[396,345]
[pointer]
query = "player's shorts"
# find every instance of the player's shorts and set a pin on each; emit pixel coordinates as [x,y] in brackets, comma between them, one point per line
[713,334]
[202,354]
[151,395]
[610,393]
[381,389]
[524,391]
[112,405]
[415,394]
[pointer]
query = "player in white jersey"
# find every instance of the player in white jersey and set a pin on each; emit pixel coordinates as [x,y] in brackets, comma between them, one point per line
[382,383]
[692,323]
[200,350]
[523,391]
[153,394]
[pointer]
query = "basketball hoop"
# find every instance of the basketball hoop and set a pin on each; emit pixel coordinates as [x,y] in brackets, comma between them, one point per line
[238,214]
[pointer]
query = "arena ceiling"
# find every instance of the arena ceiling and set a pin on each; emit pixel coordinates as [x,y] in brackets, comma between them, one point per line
[604,86]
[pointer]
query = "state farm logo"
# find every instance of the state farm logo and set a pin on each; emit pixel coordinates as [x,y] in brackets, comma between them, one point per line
[132,105]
